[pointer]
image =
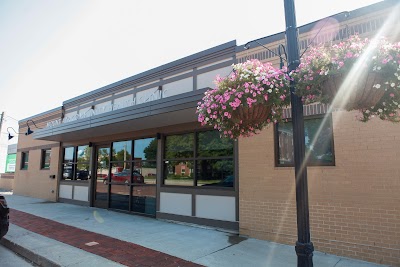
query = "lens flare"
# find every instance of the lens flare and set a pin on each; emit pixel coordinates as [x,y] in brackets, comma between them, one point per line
[98,217]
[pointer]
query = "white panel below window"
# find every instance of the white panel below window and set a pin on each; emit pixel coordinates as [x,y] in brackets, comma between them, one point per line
[180,204]
[216,207]
[81,193]
[65,191]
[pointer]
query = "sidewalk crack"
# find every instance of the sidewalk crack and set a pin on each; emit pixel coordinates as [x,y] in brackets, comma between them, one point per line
[337,262]
[214,252]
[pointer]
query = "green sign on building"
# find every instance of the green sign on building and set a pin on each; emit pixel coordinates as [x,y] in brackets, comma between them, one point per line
[10,162]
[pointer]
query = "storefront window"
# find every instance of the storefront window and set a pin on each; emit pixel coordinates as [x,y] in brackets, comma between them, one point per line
[178,172]
[178,162]
[122,151]
[318,137]
[211,145]
[145,149]
[121,173]
[199,159]
[215,172]
[69,154]
[179,146]
[148,169]
[76,163]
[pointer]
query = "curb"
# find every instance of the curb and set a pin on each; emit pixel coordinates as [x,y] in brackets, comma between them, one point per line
[28,254]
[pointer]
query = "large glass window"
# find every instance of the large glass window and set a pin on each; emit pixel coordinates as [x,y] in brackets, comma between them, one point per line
[24,160]
[76,163]
[318,142]
[178,162]
[199,159]
[122,151]
[45,160]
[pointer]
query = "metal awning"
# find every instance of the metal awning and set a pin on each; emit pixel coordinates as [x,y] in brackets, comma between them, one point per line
[169,111]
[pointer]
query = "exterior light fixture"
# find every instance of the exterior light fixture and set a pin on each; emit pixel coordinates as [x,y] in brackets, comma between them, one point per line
[9,134]
[29,131]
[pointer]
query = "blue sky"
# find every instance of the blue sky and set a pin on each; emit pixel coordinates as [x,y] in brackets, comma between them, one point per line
[54,50]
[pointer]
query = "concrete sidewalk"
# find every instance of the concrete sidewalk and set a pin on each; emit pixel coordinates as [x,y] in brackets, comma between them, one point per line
[193,244]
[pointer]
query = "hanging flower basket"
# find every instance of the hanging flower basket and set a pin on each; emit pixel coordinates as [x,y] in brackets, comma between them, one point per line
[362,95]
[246,101]
[250,116]
[354,75]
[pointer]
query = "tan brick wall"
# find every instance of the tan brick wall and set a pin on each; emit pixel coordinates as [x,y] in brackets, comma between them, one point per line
[354,206]
[34,181]
[6,182]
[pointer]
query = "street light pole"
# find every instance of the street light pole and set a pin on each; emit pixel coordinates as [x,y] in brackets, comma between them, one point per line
[304,246]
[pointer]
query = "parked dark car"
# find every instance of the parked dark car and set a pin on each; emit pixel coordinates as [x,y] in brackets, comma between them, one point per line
[82,175]
[4,219]
[67,173]
[227,182]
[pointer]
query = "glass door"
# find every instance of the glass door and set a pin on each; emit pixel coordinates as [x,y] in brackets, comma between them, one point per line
[101,177]
[121,157]
[125,176]
[143,196]
[144,173]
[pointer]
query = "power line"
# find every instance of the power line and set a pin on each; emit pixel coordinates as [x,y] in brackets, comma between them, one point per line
[11,117]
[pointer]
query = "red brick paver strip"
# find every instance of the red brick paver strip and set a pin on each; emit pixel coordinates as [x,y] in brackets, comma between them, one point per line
[113,249]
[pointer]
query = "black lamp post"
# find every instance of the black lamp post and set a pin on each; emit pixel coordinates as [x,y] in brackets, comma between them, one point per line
[304,246]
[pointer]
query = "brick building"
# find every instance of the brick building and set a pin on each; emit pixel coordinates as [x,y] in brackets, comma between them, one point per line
[147,124]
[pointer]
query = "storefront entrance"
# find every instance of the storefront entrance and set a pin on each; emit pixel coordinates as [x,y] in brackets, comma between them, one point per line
[100,176]
[125,180]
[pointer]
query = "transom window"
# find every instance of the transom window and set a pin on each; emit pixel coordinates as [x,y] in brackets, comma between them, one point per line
[198,159]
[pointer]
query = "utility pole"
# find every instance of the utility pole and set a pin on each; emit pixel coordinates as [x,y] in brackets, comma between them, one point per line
[304,246]
[1,120]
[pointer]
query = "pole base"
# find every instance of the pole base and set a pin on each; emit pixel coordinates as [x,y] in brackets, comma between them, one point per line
[304,253]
